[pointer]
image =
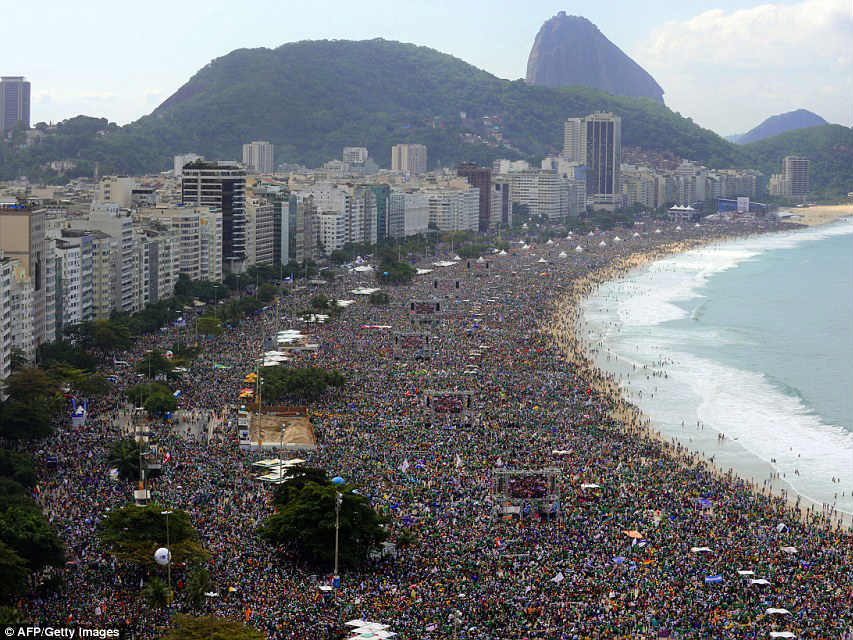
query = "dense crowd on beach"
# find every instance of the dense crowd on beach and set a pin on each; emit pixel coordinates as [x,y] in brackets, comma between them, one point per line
[664,546]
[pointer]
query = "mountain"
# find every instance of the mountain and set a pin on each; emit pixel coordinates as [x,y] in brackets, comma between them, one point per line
[310,99]
[774,125]
[734,138]
[571,51]
[828,147]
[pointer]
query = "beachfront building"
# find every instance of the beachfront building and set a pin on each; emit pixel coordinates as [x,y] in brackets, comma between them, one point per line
[601,149]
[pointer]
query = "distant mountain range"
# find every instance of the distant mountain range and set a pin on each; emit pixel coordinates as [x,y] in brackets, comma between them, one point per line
[312,98]
[571,51]
[774,125]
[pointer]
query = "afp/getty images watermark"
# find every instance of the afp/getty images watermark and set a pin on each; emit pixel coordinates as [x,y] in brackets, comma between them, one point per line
[66,633]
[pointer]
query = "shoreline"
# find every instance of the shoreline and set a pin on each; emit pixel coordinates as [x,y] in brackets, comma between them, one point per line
[817,215]
[564,332]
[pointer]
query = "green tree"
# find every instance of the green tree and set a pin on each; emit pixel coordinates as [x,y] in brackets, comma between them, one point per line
[17,466]
[106,334]
[379,298]
[154,364]
[158,404]
[395,273]
[306,383]
[134,533]
[13,572]
[305,525]
[124,456]
[210,628]
[33,401]
[209,325]
[198,583]
[25,529]
[156,593]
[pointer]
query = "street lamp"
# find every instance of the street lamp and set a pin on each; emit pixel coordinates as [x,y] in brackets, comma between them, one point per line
[169,549]
[456,618]
[339,498]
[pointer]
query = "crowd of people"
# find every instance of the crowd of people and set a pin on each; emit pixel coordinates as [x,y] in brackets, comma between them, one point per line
[647,540]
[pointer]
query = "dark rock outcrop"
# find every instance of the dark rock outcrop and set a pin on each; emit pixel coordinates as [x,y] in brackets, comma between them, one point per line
[571,51]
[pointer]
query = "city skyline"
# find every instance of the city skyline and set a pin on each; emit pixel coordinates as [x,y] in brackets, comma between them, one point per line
[799,53]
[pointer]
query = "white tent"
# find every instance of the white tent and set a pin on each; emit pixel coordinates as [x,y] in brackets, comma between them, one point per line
[700,550]
[590,234]
[541,260]
[364,291]
[423,272]
[578,249]
[657,230]
[636,235]
[550,241]
[678,228]
[562,254]
[481,259]
[617,239]
[502,253]
[456,257]
[363,269]
[602,244]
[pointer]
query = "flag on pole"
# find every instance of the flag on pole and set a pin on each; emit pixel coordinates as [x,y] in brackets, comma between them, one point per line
[405,466]
[458,461]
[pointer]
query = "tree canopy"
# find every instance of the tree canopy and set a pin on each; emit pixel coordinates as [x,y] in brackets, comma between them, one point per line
[305,383]
[305,522]
[134,533]
[210,628]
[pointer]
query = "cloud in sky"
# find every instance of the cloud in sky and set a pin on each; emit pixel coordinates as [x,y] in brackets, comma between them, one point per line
[731,70]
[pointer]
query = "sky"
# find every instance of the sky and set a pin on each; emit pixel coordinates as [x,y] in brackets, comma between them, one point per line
[727,64]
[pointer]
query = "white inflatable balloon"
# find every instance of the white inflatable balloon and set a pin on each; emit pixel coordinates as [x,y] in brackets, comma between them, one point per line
[162,556]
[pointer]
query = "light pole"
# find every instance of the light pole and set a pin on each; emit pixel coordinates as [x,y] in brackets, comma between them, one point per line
[456,618]
[169,549]
[338,500]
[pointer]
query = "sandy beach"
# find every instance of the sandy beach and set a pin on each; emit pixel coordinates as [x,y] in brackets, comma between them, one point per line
[566,335]
[821,214]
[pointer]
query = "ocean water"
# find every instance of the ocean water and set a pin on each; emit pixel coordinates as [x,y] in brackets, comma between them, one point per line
[751,338]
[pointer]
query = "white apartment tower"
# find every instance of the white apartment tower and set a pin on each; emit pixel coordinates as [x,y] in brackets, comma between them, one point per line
[258,156]
[409,158]
[572,140]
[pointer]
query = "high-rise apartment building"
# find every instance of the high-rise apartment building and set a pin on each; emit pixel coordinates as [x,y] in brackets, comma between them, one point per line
[601,145]
[796,170]
[5,319]
[408,213]
[181,160]
[409,158]
[480,178]
[500,202]
[260,228]
[354,155]
[573,140]
[221,185]
[258,156]
[14,103]
[22,237]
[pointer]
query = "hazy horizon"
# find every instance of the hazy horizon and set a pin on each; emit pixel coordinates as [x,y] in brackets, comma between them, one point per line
[799,54]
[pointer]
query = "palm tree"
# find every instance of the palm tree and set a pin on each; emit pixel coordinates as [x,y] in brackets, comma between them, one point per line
[156,593]
[124,456]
